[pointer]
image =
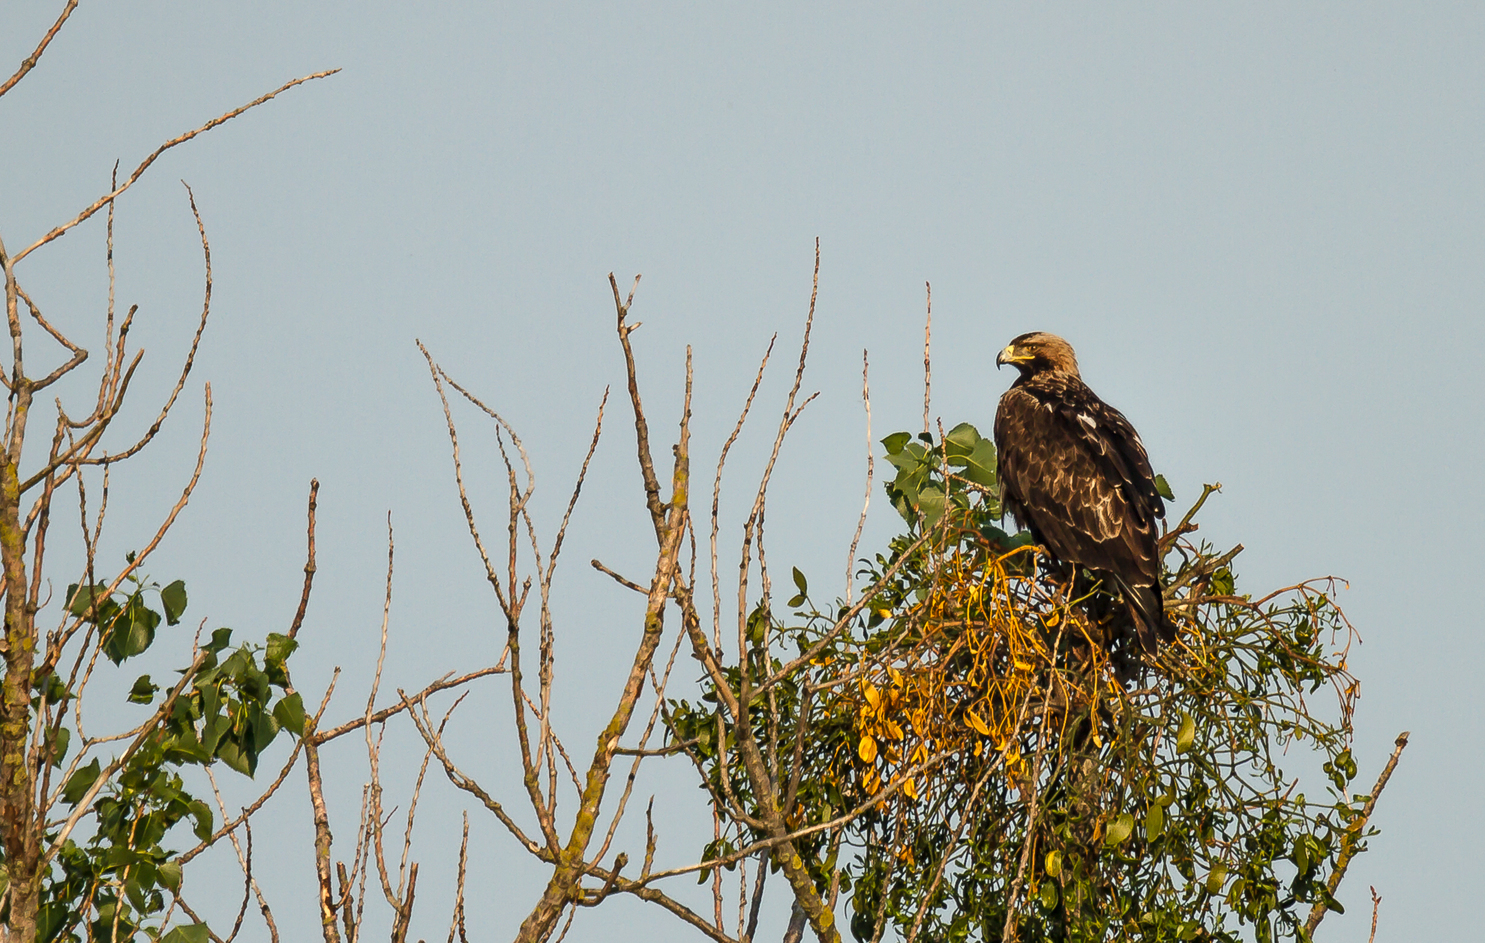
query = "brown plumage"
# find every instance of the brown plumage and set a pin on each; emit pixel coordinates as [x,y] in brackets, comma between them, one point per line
[1074,472]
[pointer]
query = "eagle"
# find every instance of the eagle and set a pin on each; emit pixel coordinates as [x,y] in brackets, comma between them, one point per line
[1075,474]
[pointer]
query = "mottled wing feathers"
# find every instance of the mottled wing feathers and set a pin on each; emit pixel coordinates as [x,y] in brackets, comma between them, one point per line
[1066,483]
[1074,472]
[1107,435]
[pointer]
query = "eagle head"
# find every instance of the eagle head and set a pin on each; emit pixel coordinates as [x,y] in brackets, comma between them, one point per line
[1039,352]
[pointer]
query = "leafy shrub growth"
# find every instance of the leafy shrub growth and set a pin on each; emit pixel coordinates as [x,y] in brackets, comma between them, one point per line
[982,748]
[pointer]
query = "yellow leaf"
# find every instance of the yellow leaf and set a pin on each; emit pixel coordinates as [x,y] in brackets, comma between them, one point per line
[1052,619]
[895,675]
[892,730]
[910,790]
[867,750]
[977,723]
[873,699]
[1022,665]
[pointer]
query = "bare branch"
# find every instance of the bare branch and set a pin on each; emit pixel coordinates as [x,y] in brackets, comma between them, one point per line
[309,563]
[29,63]
[323,838]
[442,684]
[927,363]
[139,171]
[1354,831]
[456,925]
[622,581]
[717,491]
[641,427]
[231,825]
[479,544]
[965,814]
[78,354]
[467,784]
[577,489]
[870,468]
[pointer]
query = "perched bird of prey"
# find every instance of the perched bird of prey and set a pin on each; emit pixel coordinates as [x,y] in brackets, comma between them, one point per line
[1074,472]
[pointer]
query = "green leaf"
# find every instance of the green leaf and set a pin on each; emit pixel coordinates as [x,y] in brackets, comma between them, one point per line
[231,753]
[51,687]
[910,457]
[198,810]
[1186,736]
[51,917]
[758,625]
[212,729]
[132,631]
[931,502]
[1163,488]
[170,876]
[81,782]
[1048,894]
[1330,901]
[173,598]
[1222,582]
[289,712]
[799,580]
[1301,855]
[220,639]
[143,691]
[80,599]
[1154,821]
[1119,829]
[1216,878]
[280,647]
[960,442]
[195,933]
[980,464]
[896,441]
[1054,864]
[59,744]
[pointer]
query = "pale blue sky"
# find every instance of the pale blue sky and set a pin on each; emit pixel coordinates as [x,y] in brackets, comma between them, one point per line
[1262,229]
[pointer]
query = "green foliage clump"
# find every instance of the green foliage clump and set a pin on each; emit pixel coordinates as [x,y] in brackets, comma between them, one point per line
[1010,760]
[229,705]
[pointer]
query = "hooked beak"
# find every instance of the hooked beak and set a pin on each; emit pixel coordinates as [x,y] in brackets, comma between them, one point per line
[1008,356]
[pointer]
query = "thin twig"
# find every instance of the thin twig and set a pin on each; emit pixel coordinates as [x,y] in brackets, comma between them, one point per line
[870,469]
[717,492]
[965,814]
[139,171]
[323,838]
[456,925]
[309,563]
[621,580]
[1353,834]
[29,63]
[443,684]
[927,365]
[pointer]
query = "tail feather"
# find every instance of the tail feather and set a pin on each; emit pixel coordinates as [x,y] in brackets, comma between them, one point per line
[1147,606]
